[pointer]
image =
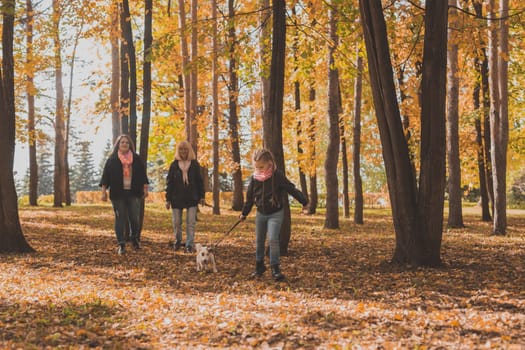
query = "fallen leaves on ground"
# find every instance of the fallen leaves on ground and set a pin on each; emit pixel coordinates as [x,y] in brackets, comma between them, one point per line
[340,291]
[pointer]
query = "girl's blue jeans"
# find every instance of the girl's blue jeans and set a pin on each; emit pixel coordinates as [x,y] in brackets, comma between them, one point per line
[268,224]
[127,208]
[191,218]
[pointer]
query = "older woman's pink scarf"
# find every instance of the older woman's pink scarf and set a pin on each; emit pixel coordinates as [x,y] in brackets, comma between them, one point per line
[184,166]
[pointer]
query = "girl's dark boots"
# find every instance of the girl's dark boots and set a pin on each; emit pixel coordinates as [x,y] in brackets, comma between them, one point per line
[259,269]
[276,273]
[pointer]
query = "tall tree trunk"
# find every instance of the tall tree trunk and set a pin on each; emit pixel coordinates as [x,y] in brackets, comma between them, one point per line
[215,110]
[312,131]
[332,151]
[482,104]
[400,177]
[264,62]
[124,75]
[67,192]
[127,95]
[185,69]
[194,77]
[116,129]
[233,120]
[358,183]
[68,111]
[146,81]
[498,47]
[273,137]
[196,110]
[146,99]
[32,139]
[312,151]
[502,127]
[12,239]
[344,154]
[487,138]
[299,127]
[433,136]
[132,61]
[485,211]
[455,215]
[59,185]
[493,94]
[300,150]
[417,216]
[344,164]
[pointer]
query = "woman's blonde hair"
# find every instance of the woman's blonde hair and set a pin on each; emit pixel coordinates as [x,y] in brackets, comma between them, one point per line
[187,145]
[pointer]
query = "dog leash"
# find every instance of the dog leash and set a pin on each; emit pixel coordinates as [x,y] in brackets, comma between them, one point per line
[227,233]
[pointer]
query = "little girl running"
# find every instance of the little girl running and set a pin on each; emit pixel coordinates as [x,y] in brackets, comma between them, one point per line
[266,190]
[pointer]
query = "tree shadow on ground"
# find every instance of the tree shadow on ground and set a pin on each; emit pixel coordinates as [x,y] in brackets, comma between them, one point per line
[76,258]
[348,263]
[51,325]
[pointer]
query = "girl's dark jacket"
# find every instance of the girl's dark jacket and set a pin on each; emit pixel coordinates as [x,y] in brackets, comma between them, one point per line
[112,177]
[268,195]
[180,195]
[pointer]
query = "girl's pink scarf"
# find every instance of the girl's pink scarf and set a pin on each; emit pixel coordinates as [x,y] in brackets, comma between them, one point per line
[263,175]
[126,159]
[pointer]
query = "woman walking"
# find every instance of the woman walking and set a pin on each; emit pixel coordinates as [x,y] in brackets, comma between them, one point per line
[125,176]
[185,189]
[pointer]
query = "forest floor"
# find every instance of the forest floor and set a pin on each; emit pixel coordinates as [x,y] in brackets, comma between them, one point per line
[340,292]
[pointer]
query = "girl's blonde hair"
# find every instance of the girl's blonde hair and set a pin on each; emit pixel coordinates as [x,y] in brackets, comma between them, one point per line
[264,155]
[187,145]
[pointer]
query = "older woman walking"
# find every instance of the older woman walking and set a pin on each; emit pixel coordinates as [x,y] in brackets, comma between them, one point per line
[185,189]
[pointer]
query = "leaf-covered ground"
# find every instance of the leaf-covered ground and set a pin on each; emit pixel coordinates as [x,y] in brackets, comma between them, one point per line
[76,292]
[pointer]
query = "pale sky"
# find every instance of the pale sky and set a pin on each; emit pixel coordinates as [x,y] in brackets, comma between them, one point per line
[98,133]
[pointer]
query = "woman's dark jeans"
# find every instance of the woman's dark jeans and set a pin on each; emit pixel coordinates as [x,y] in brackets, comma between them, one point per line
[127,208]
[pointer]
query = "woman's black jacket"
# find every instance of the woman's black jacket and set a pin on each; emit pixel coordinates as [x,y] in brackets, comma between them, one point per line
[113,178]
[261,194]
[180,195]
